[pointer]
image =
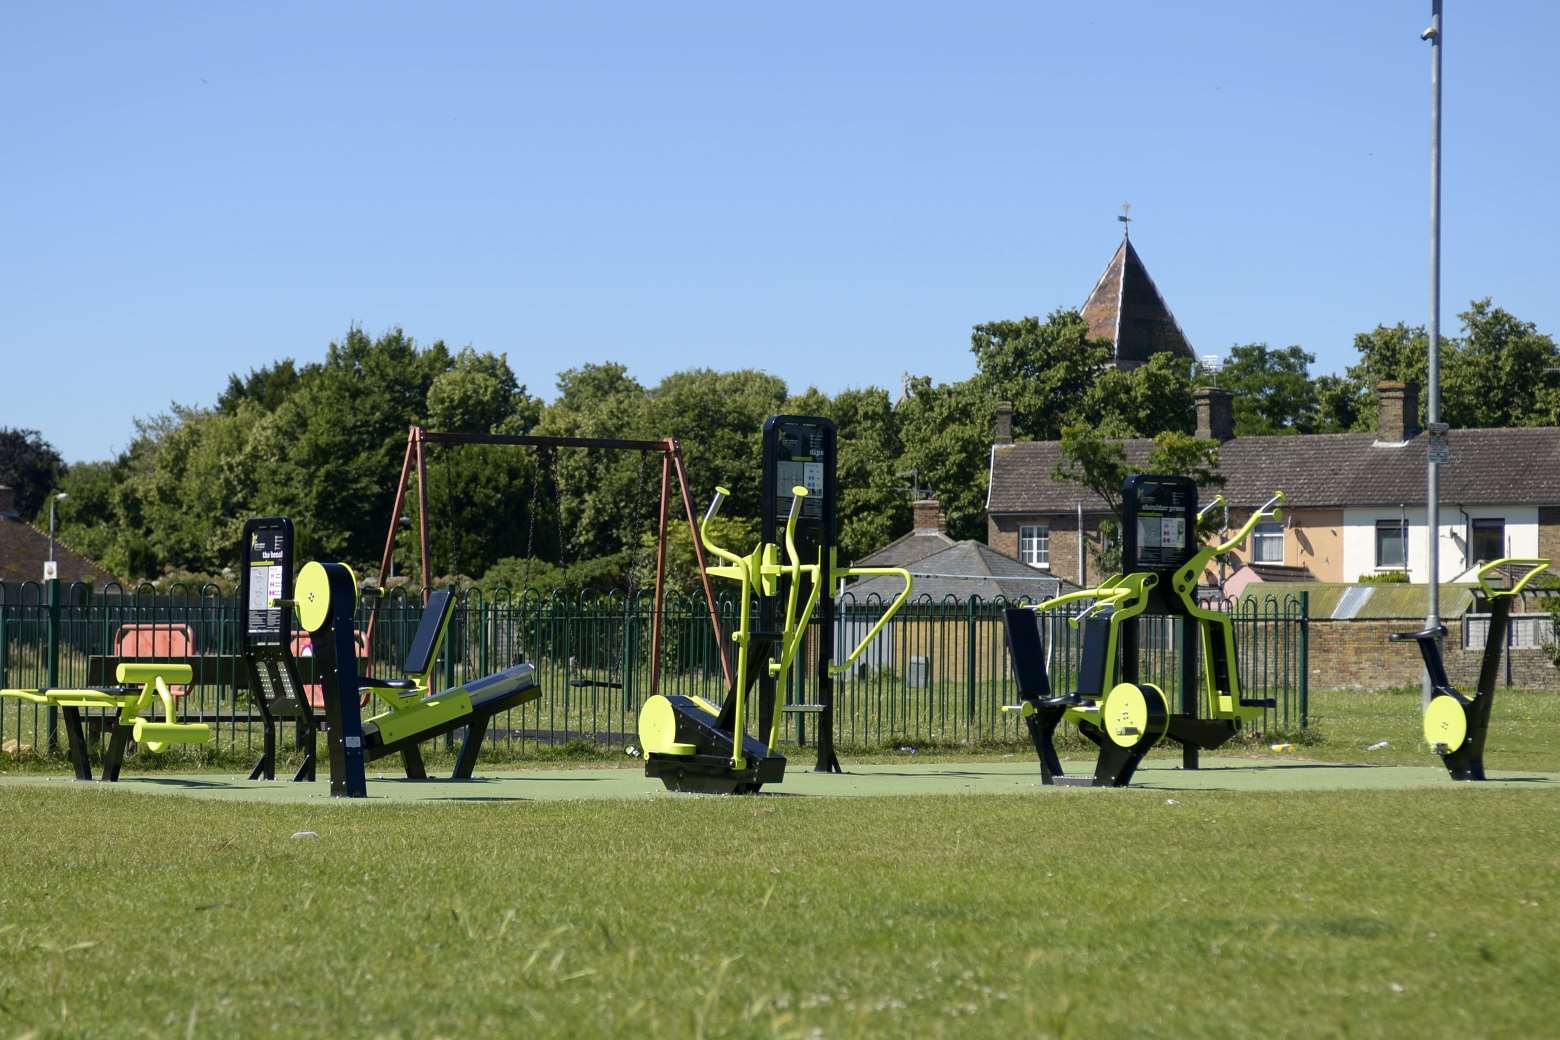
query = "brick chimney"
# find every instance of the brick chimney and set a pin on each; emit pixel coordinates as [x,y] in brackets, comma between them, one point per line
[927,515]
[1397,412]
[1215,413]
[1002,426]
[7,502]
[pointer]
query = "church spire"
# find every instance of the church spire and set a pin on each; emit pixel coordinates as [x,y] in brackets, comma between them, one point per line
[1126,309]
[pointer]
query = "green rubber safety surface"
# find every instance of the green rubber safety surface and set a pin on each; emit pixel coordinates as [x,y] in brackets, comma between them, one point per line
[901,779]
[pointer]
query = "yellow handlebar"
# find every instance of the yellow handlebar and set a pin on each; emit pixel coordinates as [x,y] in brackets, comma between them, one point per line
[1535,566]
[1269,511]
[797,494]
[704,532]
[893,608]
[1105,594]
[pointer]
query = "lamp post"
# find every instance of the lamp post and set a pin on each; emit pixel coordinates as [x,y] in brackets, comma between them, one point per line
[60,497]
[1433,402]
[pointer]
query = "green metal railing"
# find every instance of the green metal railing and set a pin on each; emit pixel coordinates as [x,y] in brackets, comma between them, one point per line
[938,674]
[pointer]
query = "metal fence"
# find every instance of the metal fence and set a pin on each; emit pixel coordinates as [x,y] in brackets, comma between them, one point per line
[939,673]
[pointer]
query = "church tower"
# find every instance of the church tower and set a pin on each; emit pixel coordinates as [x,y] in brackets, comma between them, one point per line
[1125,308]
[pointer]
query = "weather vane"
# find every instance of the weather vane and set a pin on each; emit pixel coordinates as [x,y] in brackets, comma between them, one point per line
[1126,217]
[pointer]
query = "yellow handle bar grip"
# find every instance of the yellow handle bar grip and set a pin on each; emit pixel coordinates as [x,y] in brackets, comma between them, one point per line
[888,615]
[1105,595]
[1535,565]
[1270,510]
[704,533]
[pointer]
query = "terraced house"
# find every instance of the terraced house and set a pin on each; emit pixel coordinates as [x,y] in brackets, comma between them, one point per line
[1355,500]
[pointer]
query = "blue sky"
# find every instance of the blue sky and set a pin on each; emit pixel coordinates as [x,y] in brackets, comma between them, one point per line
[834,193]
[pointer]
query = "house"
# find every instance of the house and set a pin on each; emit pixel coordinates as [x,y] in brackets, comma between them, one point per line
[944,569]
[24,549]
[952,579]
[1355,501]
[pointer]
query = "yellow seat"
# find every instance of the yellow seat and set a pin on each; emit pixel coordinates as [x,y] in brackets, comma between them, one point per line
[142,672]
[158,735]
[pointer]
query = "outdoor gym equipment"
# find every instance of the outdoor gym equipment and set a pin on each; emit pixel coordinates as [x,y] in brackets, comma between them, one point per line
[265,641]
[1161,562]
[689,743]
[326,599]
[1455,726]
[143,686]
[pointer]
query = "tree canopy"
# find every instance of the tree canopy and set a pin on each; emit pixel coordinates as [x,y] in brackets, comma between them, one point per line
[323,443]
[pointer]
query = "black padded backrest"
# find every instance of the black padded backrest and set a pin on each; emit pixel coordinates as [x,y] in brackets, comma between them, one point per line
[1026,649]
[1091,668]
[425,643]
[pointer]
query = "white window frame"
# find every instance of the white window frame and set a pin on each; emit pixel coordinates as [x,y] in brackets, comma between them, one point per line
[1035,540]
[1263,534]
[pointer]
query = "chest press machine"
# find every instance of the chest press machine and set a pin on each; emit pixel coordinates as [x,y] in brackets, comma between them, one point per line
[1162,561]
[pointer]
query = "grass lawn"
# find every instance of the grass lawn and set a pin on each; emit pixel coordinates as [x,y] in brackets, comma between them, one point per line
[1431,911]
[1074,913]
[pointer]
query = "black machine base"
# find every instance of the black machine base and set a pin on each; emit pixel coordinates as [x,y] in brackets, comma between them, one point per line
[1116,765]
[704,767]
[707,774]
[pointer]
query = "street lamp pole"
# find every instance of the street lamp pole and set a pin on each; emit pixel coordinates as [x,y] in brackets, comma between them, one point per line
[1433,403]
[60,497]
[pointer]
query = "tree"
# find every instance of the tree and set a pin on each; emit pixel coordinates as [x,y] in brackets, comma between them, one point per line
[267,387]
[339,439]
[1151,398]
[1046,369]
[478,393]
[30,466]
[946,432]
[86,517]
[1340,404]
[1100,464]
[874,499]
[1500,372]
[1273,390]
[1399,353]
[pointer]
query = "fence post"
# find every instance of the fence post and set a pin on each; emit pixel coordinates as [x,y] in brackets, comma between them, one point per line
[457,621]
[969,665]
[1305,659]
[53,660]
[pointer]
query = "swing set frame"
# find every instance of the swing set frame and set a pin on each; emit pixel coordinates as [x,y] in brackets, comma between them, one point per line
[668,448]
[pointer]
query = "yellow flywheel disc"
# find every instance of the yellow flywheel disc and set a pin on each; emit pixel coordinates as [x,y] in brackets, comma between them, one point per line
[1124,714]
[312,593]
[1446,723]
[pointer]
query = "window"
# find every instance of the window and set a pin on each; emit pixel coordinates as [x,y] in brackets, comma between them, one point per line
[1487,540]
[1390,548]
[1034,545]
[1267,543]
